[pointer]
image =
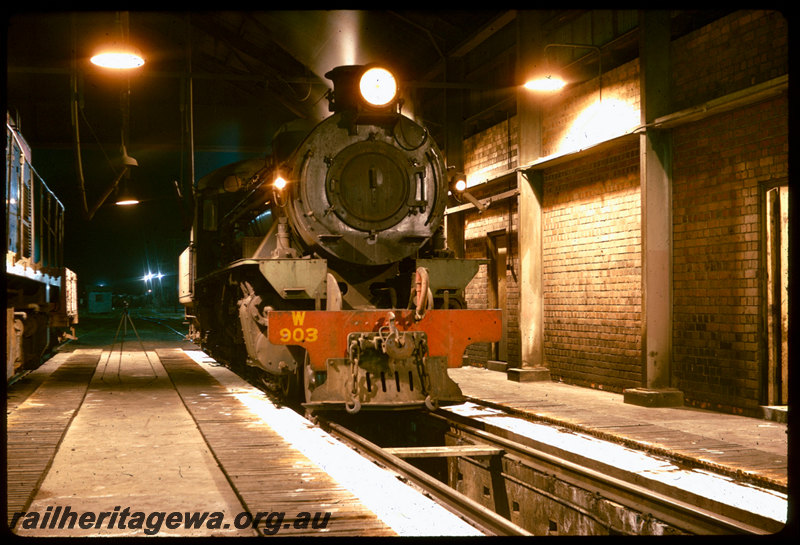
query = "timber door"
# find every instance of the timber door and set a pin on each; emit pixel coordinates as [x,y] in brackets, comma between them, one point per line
[497,252]
[776,215]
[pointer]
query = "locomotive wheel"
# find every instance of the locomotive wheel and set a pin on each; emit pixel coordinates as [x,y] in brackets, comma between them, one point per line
[289,386]
[307,374]
[294,387]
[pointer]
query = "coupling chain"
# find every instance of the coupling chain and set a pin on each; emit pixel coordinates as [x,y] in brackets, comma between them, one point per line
[421,358]
[353,405]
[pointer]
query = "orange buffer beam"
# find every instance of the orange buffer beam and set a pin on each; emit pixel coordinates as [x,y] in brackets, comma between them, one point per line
[323,333]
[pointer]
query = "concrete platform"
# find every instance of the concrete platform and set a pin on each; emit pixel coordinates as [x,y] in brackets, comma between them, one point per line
[734,445]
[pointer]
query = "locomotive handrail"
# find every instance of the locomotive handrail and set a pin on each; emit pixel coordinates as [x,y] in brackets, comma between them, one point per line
[23,145]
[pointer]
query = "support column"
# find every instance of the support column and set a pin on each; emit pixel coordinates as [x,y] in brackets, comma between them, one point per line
[531,318]
[656,203]
[454,148]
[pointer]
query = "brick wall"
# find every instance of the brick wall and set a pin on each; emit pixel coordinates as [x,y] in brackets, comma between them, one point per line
[743,49]
[592,270]
[717,300]
[492,152]
[476,229]
[577,118]
[591,215]
[719,165]
[591,235]
[487,156]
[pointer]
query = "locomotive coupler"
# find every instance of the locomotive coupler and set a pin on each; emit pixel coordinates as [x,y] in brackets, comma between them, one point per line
[383,354]
[395,344]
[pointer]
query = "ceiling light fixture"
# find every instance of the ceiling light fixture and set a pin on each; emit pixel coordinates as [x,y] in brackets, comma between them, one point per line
[119,57]
[119,54]
[125,197]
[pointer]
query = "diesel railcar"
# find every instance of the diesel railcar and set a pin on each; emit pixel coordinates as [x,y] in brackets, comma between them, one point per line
[41,293]
[324,263]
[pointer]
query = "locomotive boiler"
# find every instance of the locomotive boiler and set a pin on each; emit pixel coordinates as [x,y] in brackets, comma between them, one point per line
[324,264]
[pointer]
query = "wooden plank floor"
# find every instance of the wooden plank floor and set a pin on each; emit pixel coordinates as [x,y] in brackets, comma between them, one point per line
[268,474]
[51,405]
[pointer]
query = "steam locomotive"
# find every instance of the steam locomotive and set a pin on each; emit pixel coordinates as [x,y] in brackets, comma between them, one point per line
[41,294]
[325,265]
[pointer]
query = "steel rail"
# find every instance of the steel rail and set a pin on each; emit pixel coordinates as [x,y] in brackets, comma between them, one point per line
[476,514]
[159,321]
[663,452]
[678,513]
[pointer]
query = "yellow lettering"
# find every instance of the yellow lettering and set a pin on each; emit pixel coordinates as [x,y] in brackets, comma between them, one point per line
[298,335]
[298,318]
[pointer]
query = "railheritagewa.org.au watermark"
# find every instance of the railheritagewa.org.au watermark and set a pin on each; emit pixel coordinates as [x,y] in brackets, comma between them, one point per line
[151,523]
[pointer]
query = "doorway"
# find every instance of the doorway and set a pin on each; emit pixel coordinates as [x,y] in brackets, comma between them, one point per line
[776,259]
[497,252]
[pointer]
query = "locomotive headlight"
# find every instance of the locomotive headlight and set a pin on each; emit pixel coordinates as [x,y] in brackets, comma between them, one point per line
[278,186]
[279,183]
[458,181]
[378,86]
[458,187]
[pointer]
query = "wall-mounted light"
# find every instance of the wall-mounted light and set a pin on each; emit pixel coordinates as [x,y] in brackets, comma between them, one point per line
[549,81]
[545,83]
[119,57]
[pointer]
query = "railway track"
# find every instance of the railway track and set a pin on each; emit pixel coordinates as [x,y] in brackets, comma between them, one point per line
[510,471]
[519,471]
[494,476]
[574,493]
[476,514]
[507,481]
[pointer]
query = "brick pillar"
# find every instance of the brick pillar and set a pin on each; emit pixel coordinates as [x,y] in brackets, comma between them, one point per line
[656,194]
[531,312]
[454,148]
